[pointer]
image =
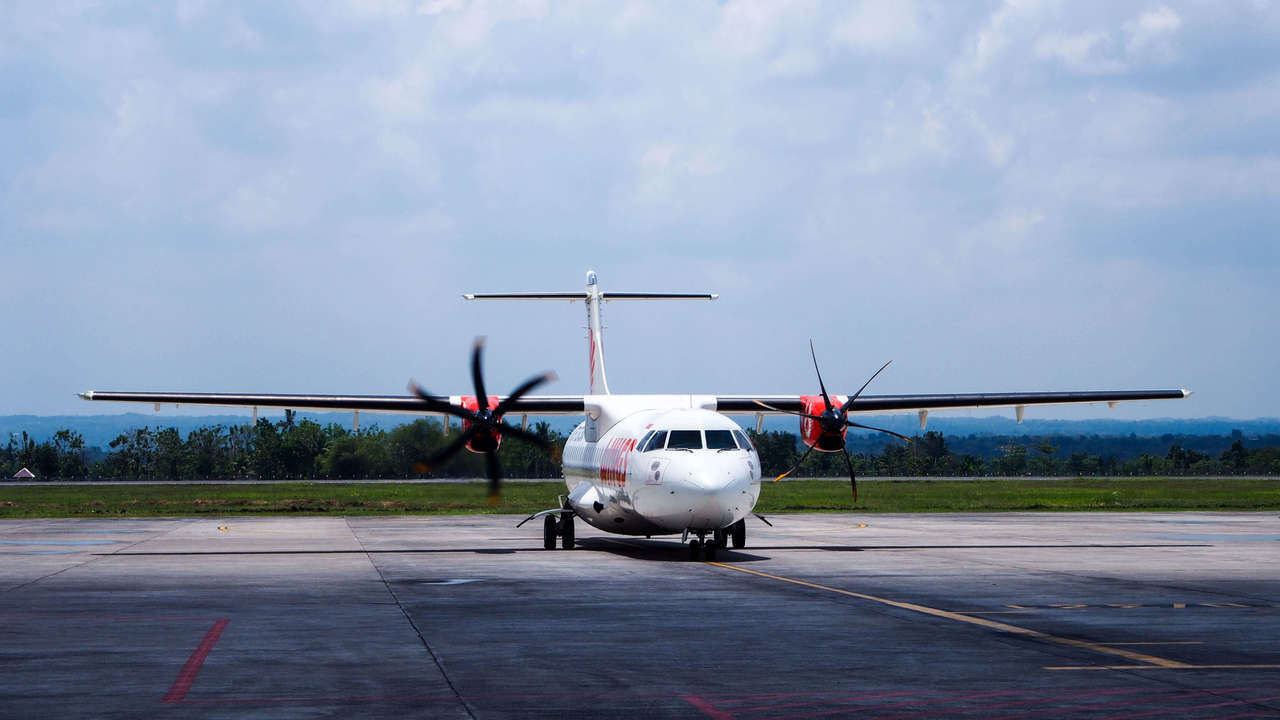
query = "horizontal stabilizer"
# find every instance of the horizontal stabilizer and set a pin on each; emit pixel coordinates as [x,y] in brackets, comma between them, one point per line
[577,295]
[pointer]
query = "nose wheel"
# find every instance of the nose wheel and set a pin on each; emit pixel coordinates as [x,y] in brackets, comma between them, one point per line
[702,549]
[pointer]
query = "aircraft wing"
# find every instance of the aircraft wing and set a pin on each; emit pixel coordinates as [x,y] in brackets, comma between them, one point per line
[576,404]
[406,404]
[917,403]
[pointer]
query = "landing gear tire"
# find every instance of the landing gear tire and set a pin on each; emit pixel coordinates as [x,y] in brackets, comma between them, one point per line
[738,533]
[549,532]
[567,532]
[720,538]
[709,551]
[695,550]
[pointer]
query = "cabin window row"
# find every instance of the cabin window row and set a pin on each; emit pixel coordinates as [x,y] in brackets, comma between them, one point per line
[693,440]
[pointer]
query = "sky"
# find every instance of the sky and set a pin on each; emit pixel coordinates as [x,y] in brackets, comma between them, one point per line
[291,197]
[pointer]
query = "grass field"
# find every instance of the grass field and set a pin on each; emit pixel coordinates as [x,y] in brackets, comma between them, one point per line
[995,495]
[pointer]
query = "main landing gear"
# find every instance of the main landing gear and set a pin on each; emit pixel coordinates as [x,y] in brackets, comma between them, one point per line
[553,528]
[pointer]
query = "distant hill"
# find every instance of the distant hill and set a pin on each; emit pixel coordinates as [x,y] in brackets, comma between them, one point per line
[100,430]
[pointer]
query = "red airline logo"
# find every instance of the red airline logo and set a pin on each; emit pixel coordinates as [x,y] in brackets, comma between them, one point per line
[613,466]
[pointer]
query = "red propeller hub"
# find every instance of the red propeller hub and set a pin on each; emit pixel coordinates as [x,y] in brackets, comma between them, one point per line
[481,442]
[812,432]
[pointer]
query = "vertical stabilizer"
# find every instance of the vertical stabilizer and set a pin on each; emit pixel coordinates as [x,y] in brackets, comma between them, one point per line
[597,383]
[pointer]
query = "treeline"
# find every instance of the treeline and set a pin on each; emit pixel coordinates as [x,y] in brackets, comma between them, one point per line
[273,451]
[932,454]
[291,449]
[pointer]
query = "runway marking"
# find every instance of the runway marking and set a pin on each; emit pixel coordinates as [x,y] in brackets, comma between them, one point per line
[981,622]
[1171,642]
[710,710]
[728,707]
[187,675]
[1179,666]
[1121,606]
[818,531]
[991,612]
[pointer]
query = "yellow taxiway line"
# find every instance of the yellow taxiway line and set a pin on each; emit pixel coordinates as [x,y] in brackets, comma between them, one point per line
[1151,660]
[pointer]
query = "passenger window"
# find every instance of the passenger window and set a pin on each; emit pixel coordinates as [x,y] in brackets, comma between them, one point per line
[720,440]
[656,442]
[743,442]
[685,440]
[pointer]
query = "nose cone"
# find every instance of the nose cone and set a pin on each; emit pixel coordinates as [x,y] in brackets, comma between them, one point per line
[699,492]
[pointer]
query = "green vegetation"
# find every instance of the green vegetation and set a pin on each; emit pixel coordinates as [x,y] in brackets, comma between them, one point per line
[1020,494]
[997,495]
[304,450]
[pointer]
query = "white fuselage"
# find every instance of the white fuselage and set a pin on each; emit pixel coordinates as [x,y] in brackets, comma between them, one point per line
[662,471]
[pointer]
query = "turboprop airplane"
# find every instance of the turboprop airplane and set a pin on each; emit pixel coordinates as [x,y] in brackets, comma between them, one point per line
[643,464]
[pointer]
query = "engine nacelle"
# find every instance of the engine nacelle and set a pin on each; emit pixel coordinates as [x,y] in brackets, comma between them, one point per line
[482,442]
[811,430]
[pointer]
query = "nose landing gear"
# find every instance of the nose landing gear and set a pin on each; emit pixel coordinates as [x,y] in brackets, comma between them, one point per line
[700,549]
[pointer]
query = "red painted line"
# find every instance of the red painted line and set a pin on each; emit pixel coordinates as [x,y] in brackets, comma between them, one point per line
[1127,702]
[1189,708]
[830,699]
[1133,702]
[326,700]
[890,706]
[103,618]
[187,675]
[711,711]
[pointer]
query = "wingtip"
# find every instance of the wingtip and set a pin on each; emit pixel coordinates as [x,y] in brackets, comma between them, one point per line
[86,395]
[468,296]
[1186,393]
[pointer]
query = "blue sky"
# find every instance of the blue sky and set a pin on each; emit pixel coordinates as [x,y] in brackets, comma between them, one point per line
[276,197]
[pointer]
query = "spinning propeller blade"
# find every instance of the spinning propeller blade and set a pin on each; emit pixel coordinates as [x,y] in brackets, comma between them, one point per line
[834,420]
[483,421]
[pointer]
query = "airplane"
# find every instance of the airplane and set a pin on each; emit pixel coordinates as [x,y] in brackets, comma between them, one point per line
[643,464]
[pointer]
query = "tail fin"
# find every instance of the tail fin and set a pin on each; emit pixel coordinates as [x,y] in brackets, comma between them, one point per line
[597,383]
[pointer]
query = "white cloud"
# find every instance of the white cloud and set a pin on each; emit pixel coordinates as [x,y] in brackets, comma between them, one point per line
[658,157]
[1085,52]
[1151,31]
[888,27]
[795,64]
[920,145]
[750,27]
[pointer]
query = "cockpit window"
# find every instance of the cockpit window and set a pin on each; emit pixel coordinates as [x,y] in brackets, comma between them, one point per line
[655,441]
[685,440]
[720,440]
[743,442]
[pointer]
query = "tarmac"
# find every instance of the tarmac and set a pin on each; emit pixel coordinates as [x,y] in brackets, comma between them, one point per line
[1068,615]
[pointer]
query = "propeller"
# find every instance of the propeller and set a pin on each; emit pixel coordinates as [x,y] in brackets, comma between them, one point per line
[834,419]
[484,425]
